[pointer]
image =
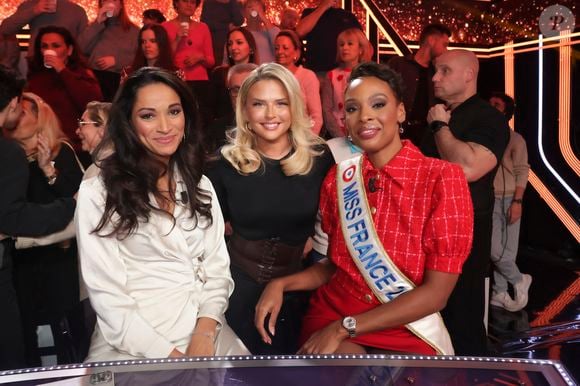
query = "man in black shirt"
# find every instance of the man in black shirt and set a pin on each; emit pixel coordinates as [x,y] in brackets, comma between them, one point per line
[417,70]
[18,218]
[320,28]
[470,132]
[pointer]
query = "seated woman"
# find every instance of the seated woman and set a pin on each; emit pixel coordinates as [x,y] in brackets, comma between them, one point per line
[268,181]
[153,50]
[46,277]
[150,231]
[400,227]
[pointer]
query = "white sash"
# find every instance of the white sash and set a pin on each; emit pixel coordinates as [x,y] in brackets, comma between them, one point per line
[381,275]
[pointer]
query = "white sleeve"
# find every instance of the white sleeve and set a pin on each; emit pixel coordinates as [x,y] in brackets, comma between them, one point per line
[219,284]
[104,273]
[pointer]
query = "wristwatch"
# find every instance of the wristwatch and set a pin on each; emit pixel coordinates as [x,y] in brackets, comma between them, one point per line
[516,201]
[349,324]
[435,126]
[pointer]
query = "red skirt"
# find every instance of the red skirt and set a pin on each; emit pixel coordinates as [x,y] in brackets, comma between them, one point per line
[336,299]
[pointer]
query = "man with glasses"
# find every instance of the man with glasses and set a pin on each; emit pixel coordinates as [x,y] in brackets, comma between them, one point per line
[216,135]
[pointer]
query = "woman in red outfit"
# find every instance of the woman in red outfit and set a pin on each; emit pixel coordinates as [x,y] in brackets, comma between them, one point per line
[399,226]
[62,80]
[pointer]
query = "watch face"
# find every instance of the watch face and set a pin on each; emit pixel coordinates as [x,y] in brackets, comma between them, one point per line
[349,323]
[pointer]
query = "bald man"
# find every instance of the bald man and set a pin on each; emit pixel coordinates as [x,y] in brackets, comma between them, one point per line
[468,131]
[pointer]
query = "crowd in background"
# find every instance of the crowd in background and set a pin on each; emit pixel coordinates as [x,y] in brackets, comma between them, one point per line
[130,121]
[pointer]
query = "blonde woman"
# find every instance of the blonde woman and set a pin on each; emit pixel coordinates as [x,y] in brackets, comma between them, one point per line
[46,277]
[352,48]
[268,181]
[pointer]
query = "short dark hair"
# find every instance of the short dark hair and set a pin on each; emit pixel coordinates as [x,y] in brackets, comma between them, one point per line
[154,14]
[382,72]
[433,29]
[508,101]
[12,86]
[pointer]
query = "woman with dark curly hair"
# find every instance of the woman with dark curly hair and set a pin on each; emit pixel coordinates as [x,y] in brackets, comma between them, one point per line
[61,78]
[150,231]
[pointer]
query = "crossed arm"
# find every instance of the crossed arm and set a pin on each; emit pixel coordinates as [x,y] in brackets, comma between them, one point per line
[476,160]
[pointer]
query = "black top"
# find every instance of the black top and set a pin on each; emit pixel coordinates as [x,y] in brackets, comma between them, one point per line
[268,204]
[17,216]
[418,95]
[320,52]
[477,121]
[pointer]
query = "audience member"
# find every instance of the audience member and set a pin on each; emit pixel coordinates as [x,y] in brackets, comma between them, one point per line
[43,13]
[150,231]
[153,16]
[288,54]
[509,185]
[272,155]
[193,53]
[46,277]
[154,50]
[353,47]
[62,79]
[10,53]
[110,43]
[217,130]
[221,16]
[470,132]
[320,28]
[395,251]
[262,28]
[417,71]
[289,18]
[241,48]
[18,217]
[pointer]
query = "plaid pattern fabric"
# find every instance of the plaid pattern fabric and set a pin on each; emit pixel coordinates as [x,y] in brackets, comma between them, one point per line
[422,211]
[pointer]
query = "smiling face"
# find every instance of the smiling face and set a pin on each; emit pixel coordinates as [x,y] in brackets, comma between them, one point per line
[149,46]
[286,53]
[89,132]
[373,114]
[267,111]
[238,48]
[158,119]
[55,42]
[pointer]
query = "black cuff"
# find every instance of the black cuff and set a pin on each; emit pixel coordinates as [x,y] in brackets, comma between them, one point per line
[435,126]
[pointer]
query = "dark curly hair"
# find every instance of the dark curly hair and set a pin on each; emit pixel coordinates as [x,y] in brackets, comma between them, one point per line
[131,172]
[382,72]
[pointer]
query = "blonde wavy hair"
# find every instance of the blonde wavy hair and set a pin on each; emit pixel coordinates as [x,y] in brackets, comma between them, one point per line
[47,123]
[241,149]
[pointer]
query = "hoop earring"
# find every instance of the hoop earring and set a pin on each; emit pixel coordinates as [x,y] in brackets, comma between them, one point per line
[248,127]
[349,138]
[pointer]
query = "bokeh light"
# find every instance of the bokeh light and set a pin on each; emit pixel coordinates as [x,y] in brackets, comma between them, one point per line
[473,22]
